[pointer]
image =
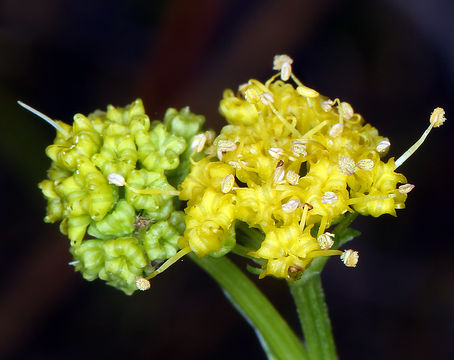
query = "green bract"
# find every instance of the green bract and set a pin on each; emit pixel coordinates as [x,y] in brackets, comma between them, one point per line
[117,232]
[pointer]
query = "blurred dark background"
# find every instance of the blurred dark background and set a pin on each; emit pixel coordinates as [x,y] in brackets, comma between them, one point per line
[392,60]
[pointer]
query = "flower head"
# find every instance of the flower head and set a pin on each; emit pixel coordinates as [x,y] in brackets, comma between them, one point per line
[301,160]
[109,185]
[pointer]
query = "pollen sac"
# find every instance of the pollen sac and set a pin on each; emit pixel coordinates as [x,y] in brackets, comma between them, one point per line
[278,175]
[365,164]
[347,165]
[350,258]
[286,71]
[406,188]
[276,152]
[383,146]
[109,226]
[298,148]
[116,179]
[329,198]
[280,60]
[292,177]
[336,130]
[327,105]
[437,118]
[227,183]
[198,142]
[325,240]
[267,98]
[307,92]
[347,110]
[290,206]
[142,283]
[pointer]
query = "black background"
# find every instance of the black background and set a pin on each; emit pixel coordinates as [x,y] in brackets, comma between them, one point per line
[392,60]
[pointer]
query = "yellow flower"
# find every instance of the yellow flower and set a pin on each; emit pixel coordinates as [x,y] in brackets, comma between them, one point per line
[297,161]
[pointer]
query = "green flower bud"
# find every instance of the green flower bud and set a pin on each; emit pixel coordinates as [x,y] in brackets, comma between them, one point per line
[158,149]
[132,221]
[156,206]
[161,241]
[89,258]
[186,124]
[183,123]
[124,260]
[120,222]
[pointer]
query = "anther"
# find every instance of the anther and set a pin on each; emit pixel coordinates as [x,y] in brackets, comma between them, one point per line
[198,142]
[227,183]
[224,146]
[329,198]
[325,240]
[292,177]
[307,91]
[346,165]
[406,188]
[327,105]
[286,71]
[350,258]
[365,164]
[116,179]
[251,96]
[142,283]
[290,206]
[437,118]
[280,60]
[278,174]
[347,110]
[383,146]
[267,98]
[298,148]
[336,130]
[276,152]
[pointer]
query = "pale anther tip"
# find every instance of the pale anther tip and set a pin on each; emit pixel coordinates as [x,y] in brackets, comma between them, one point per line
[437,118]
[116,179]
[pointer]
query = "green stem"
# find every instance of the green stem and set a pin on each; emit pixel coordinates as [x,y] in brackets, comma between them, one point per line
[277,339]
[310,302]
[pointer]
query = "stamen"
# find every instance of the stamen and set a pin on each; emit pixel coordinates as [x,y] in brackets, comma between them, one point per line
[227,183]
[116,179]
[298,148]
[170,262]
[325,240]
[305,91]
[45,118]
[224,146]
[267,98]
[304,216]
[329,198]
[406,188]
[142,283]
[365,164]
[368,198]
[346,165]
[350,258]
[292,177]
[290,206]
[436,119]
[327,105]
[251,96]
[280,60]
[198,142]
[347,110]
[276,152]
[336,130]
[286,71]
[278,175]
[383,146]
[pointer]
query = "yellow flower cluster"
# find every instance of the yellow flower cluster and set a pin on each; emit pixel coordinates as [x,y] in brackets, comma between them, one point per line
[289,163]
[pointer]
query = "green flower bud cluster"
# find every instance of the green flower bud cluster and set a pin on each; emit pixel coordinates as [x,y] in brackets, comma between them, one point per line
[132,227]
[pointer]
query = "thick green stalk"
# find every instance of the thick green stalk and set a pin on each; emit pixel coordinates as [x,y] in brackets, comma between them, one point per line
[310,302]
[277,339]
